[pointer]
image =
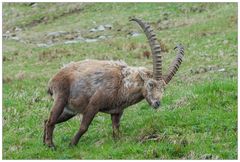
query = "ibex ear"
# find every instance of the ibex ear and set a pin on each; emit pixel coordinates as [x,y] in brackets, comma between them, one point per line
[145,75]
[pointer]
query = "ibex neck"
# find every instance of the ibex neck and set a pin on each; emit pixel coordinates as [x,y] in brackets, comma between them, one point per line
[132,84]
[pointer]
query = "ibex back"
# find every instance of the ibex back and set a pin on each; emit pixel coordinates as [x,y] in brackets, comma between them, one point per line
[92,86]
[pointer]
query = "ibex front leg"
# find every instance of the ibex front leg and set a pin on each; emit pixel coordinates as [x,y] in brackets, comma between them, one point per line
[116,124]
[86,121]
[91,110]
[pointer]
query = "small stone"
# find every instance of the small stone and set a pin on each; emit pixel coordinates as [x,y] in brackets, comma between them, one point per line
[209,156]
[5,36]
[80,38]
[71,42]
[34,5]
[56,34]
[13,148]
[21,75]
[93,30]
[101,28]
[108,26]
[221,70]
[15,38]
[21,129]
[135,34]
[221,53]
[102,37]
[225,41]
[18,29]
[43,45]
[90,40]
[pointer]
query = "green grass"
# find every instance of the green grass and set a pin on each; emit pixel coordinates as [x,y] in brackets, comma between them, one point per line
[198,117]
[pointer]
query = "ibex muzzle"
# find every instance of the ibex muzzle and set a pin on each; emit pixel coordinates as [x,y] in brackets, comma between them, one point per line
[91,86]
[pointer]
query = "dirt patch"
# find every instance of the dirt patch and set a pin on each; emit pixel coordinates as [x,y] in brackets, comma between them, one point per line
[36,22]
[199,8]
[163,46]
[163,24]
[202,69]
[20,75]
[147,54]
[233,20]
[206,33]
[53,54]
[209,157]
[4,58]
[47,19]
[130,46]
[151,137]
[191,155]
[46,55]
[7,79]
[181,102]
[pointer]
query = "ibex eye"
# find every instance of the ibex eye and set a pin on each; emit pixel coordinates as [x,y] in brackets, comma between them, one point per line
[150,84]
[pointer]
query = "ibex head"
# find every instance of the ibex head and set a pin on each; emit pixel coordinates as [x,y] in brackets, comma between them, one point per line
[154,85]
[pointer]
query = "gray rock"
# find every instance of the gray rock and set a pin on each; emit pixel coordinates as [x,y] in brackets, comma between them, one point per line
[72,41]
[15,38]
[93,30]
[80,38]
[100,28]
[5,36]
[108,26]
[91,40]
[34,5]
[13,148]
[221,70]
[56,34]
[102,37]
[225,42]
[135,34]
[209,156]
[43,45]
[17,29]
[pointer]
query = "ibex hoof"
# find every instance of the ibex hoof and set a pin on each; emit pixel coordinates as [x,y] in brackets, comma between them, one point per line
[71,145]
[50,145]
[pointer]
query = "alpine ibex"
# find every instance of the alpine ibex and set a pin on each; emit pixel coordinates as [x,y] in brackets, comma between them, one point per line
[91,86]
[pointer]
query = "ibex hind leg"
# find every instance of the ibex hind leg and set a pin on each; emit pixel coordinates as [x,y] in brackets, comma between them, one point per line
[56,111]
[62,118]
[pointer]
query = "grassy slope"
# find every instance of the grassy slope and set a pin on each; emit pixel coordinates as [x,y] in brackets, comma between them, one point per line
[198,118]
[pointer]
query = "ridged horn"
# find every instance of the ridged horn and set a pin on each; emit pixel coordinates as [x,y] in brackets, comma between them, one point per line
[155,48]
[175,64]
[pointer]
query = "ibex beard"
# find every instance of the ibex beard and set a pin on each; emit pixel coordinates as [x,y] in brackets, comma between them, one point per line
[92,86]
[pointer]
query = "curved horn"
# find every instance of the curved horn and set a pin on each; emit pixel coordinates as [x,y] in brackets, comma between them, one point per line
[175,64]
[155,48]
